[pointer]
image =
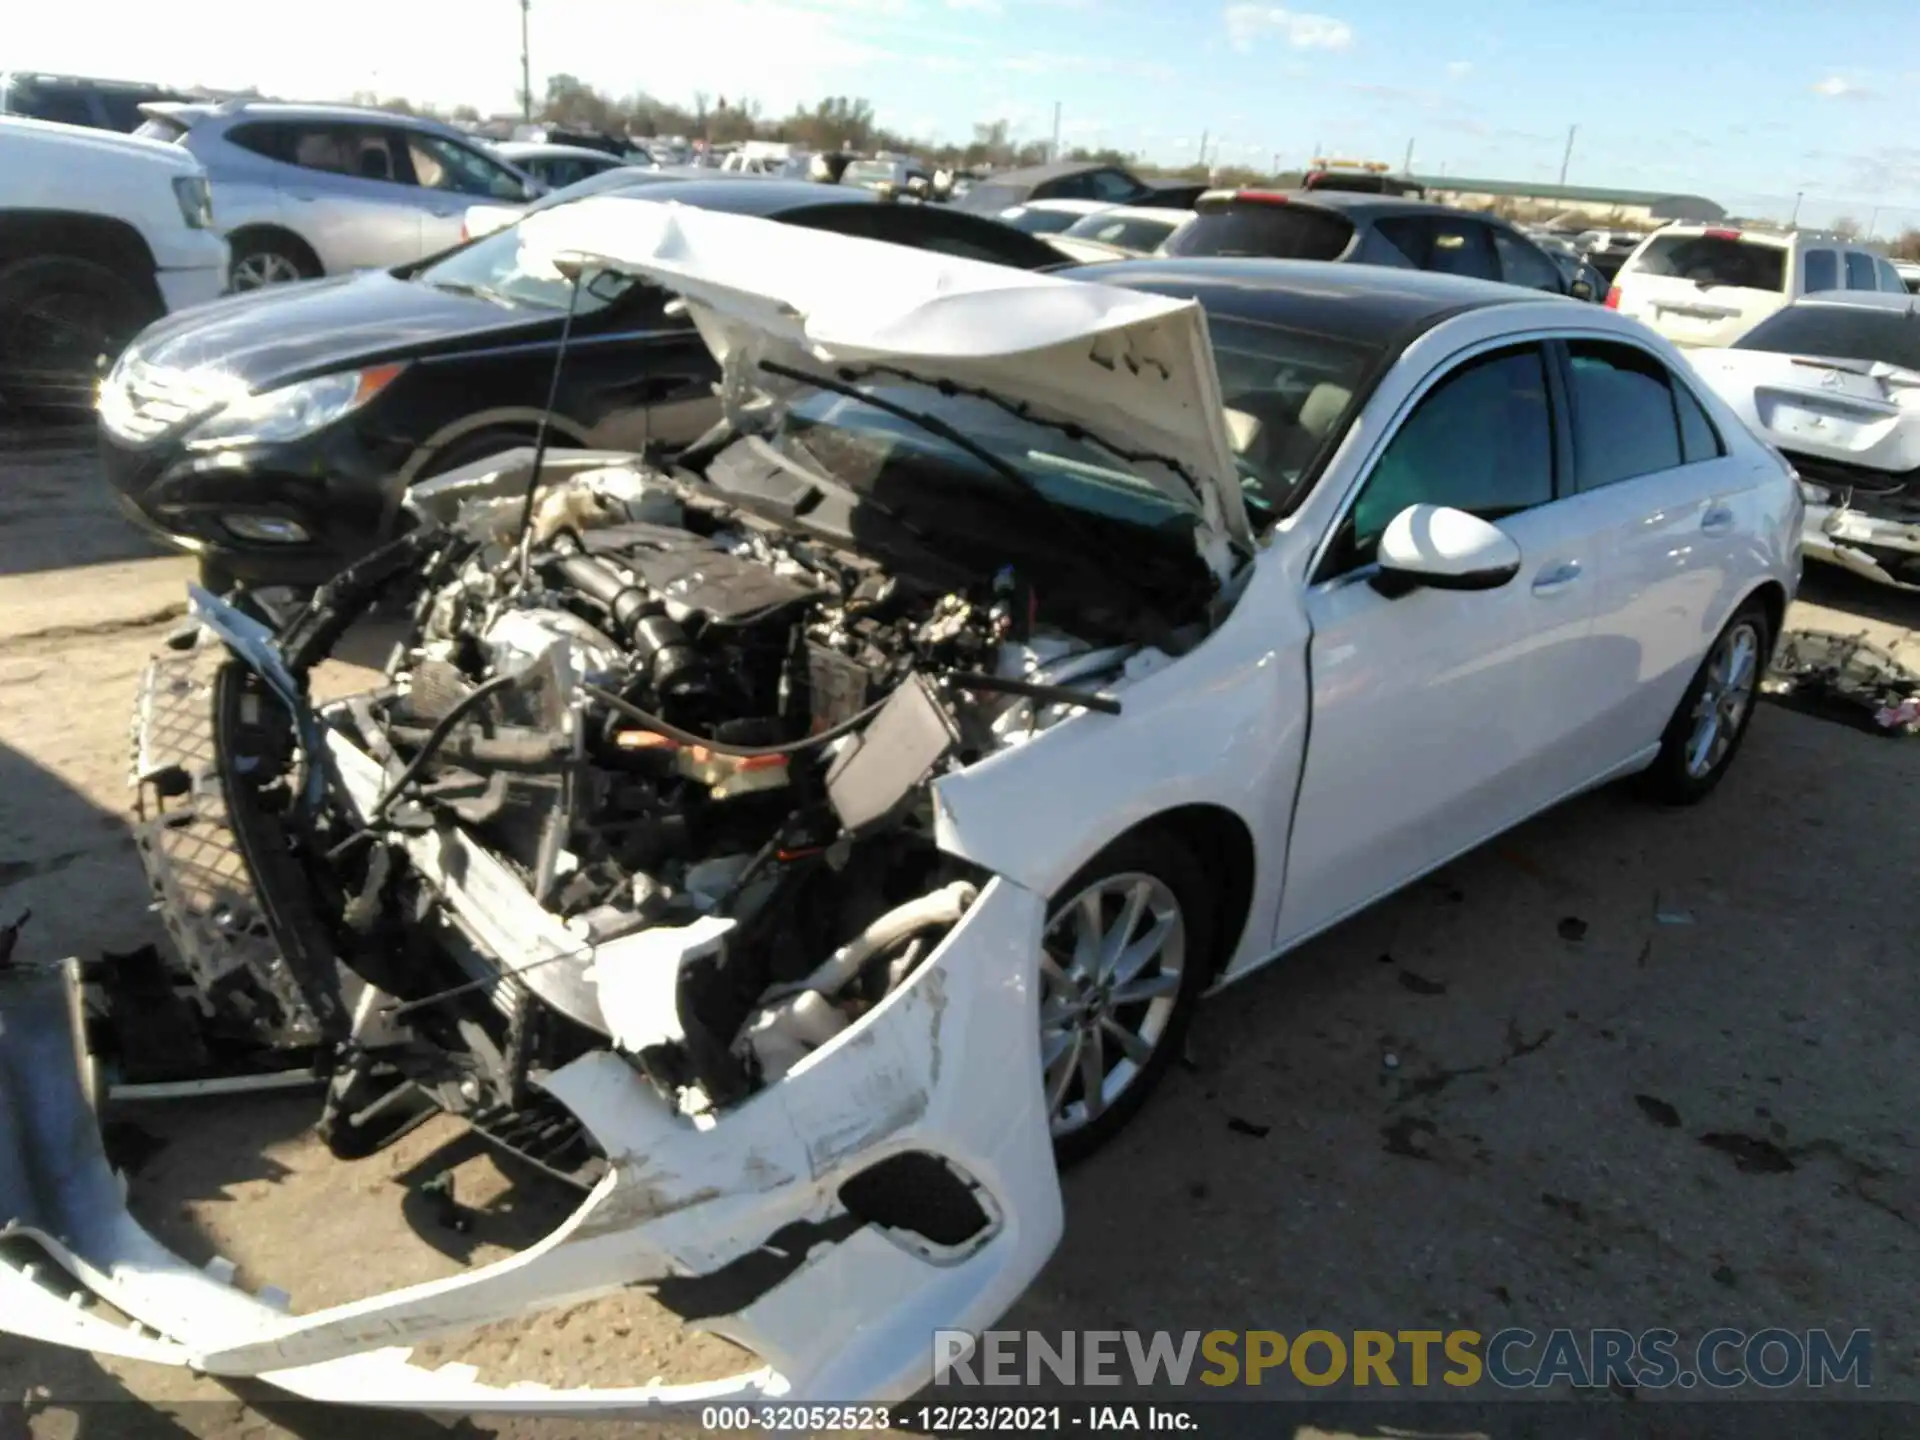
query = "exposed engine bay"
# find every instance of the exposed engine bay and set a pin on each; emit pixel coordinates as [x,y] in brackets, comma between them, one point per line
[650,773]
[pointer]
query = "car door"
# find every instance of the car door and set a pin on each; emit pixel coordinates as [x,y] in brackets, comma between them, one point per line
[1664,492]
[344,197]
[447,178]
[1433,709]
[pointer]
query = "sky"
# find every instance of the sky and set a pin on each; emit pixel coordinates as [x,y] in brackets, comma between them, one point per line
[1750,102]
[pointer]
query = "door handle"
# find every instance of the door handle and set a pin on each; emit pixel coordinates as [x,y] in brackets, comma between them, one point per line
[1718,519]
[1556,577]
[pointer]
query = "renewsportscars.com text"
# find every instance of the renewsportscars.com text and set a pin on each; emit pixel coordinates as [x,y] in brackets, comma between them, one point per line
[1510,1359]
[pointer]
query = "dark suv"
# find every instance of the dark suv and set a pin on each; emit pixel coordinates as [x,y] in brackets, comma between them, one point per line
[71,100]
[1370,230]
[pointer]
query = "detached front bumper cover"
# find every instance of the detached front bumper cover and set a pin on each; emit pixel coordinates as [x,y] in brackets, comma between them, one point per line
[1865,544]
[839,1307]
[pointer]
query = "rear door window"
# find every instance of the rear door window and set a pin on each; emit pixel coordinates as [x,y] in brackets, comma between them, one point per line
[1860,274]
[1524,264]
[1822,270]
[1253,227]
[1443,243]
[1889,277]
[1625,421]
[1115,185]
[1716,259]
[62,104]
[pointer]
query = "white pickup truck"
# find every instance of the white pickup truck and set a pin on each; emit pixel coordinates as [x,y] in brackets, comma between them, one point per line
[100,234]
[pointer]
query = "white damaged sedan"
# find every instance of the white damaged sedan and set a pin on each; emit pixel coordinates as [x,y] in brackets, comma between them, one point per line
[800,843]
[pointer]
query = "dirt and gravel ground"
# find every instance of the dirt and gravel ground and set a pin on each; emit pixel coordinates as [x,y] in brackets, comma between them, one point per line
[1622,1067]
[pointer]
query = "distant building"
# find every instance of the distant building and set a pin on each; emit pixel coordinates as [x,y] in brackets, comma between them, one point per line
[1620,207]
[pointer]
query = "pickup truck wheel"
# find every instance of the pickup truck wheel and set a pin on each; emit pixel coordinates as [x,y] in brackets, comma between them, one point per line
[1124,958]
[262,259]
[1712,717]
[60,318]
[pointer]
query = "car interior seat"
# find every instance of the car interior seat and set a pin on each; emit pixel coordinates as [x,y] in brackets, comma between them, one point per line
[375,164]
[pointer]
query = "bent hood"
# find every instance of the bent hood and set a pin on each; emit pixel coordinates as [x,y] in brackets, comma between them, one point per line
[1133,370]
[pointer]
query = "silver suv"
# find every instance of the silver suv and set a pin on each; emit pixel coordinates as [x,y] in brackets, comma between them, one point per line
[307,190]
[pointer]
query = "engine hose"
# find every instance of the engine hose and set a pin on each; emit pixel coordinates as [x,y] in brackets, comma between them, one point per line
[944,906]
[722,747]
[435,739]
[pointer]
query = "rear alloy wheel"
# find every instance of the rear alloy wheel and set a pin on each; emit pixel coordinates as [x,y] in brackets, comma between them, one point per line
[1712,718]
[1123,959]
[61,320]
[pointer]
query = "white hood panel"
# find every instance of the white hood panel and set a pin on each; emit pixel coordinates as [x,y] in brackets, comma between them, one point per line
[1134,370]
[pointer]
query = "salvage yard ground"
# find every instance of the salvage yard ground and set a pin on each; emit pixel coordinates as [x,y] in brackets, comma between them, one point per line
[1622,1067]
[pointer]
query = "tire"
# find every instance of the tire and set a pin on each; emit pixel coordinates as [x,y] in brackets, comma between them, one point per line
[1693,758]
[268,257]
[61,320]
[1078,1017]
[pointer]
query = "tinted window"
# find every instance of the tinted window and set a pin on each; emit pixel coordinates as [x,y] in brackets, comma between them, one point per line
[1039,222]
[992,197]
[1253,227]
[123,109]
[1525,264]
[1860,274]
[1480,441]
[1624,420]
[1699,440]
[1131,233]
[1442,243]
[1889,277]
[358,150]
[58,103]
[1841,332]
[1709,260]
[1114,185]
[932,228]
[1822,271]
[440,164]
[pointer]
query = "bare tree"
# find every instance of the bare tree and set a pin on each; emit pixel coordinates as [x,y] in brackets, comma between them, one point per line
[1847,226]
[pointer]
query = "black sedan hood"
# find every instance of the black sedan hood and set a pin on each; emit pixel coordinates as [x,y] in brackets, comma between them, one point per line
[284,333]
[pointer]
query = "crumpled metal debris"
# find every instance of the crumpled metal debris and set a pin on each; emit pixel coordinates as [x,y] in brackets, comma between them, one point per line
[1844,677]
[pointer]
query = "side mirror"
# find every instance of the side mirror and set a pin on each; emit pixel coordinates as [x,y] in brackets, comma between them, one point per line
[1580,290]
[1444,549]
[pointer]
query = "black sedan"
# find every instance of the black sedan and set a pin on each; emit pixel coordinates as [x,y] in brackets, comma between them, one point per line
[274,433]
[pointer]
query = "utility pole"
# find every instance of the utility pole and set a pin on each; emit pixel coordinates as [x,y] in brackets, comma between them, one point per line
[1203,146]
[1873,222]
[1406,166]
[1793,220]
[1566,157]
[526,68]
[1056,130]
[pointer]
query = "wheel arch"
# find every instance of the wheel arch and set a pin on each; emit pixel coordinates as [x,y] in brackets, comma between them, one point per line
[1773,596]
[1225,847]
[279,234]
[111,243]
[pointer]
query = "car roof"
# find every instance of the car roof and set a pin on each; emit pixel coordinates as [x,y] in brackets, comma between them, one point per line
[283,110]
[1066,207]
[1860,300]
[1359,204]
[545,150]
[741,195]
[1031,175]
[1374,304]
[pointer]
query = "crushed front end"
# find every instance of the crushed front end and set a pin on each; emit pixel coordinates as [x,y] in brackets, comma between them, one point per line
[629,861]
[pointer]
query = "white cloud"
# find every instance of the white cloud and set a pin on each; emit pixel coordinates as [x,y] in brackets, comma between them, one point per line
[1303,31]
[1838,87]
[1459,69]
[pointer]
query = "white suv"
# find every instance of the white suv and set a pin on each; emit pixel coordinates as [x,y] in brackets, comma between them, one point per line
[1710,284]
[100,234]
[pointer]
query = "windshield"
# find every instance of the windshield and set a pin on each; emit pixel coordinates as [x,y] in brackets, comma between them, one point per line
[1713,260]
[1840,332]
[499,267]
[1255,227]
[1129,233]
[1039,222]
[869,172]
[859,444]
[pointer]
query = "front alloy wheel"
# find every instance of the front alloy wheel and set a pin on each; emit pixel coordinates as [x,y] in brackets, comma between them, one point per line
[258,269]
[1120,967]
